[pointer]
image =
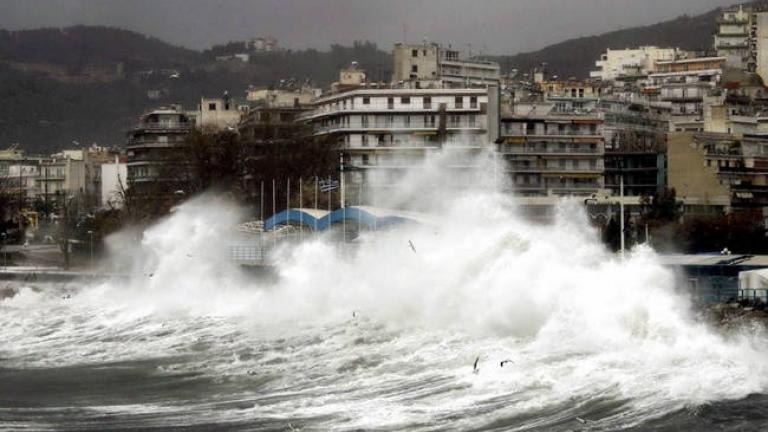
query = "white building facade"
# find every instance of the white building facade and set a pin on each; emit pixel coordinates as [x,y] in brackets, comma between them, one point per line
[114,180]
[632,63]
[385,133]
[428,65]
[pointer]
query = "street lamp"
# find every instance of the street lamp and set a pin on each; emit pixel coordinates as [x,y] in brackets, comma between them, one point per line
[90,242]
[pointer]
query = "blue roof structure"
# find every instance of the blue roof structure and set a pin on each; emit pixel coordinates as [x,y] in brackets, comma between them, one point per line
[319,220]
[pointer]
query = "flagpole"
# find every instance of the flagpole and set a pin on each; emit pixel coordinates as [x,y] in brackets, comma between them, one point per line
[261,211]
[274,212]
[317,180]
[301,214]
[342,199]
[359,204]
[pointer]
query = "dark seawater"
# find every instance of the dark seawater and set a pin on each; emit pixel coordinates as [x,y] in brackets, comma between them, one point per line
[79,367]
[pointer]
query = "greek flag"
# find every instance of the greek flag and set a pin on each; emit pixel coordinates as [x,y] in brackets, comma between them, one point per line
[328,185]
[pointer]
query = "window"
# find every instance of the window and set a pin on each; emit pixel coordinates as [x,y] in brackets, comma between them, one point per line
[226,106]
[211,107]
[472,121]
[414,68]
[473,102]
[405,100]
[365,121]
[459,102]
[390,103]
[365,160]
[427,102]
[429,121]
[414,53]
[366,101]
[407,121]
[364,140]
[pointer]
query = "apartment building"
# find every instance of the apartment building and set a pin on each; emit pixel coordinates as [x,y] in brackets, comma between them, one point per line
[281,96]
[683,85]
[734,39]
[635,147]
[569,89]
[113,180]
[385,133]
[725,171]
[430,65]
[217,114]
[632,64]
[153,141]
[742,38]
[551,153]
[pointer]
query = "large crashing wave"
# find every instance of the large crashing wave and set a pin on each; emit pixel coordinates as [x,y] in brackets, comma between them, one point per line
[579,322]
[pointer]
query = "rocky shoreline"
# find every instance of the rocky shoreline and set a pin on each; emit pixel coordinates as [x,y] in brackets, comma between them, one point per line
[734,316]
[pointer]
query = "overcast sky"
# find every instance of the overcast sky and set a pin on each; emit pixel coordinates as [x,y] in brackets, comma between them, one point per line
[496,26]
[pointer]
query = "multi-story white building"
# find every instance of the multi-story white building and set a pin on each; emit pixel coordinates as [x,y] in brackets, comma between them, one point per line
[632,63]
[428,65]
[113,181]
[742,38]
[219,113]
[683,85]
[735,36]
[553,153]
[385,133]
[282,97]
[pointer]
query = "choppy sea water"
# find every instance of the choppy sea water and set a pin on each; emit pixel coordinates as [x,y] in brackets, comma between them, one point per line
[384,338]
[68,366]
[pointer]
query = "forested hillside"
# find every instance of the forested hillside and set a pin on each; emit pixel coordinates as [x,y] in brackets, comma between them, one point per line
[88,84]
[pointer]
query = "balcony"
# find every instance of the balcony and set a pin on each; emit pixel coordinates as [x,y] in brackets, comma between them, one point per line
[378,126]
[154,142]
[164,126]
[384,107]
[552,133]
[580,150]
[414,125]
[563,170]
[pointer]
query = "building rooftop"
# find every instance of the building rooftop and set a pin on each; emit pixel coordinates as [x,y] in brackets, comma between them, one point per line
[715,260]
